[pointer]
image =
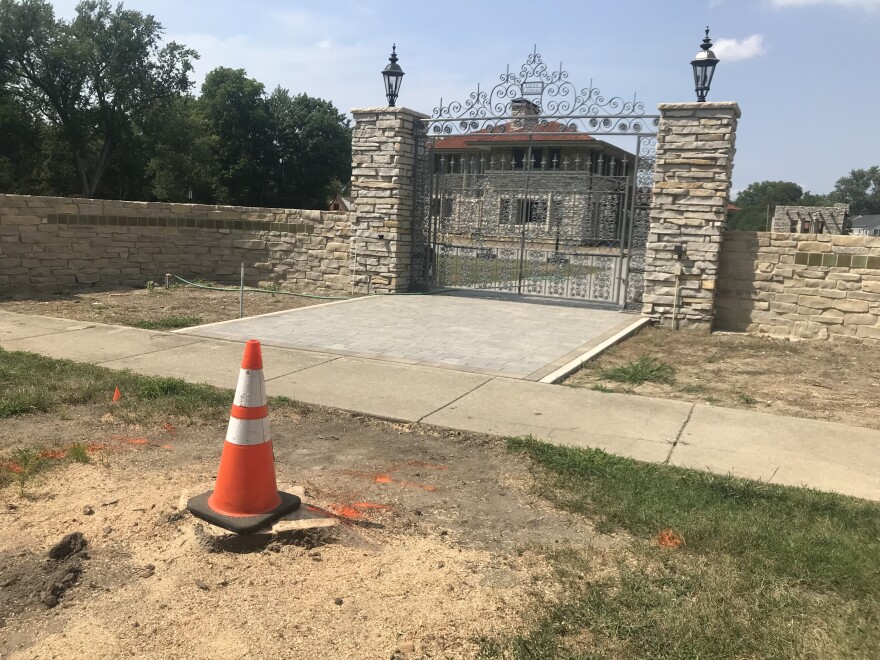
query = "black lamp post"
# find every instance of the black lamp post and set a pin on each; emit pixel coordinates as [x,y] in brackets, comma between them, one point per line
[704,68]
[392,74]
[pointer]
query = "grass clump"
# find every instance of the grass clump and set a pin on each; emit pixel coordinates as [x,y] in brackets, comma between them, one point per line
[22,464]
[167,323]
[647,369]
[764,571]
[31,383]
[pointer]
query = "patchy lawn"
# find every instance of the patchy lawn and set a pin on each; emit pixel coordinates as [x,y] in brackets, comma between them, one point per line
[154,308]
[563,553]
[817,380]
[716,567]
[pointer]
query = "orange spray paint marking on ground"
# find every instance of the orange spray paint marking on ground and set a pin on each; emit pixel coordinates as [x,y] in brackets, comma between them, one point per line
[311,508]
[167,426]
[53,453]
[385,479]
[12,467]
[371,505]
[138,442]
[669,539]
[345,511]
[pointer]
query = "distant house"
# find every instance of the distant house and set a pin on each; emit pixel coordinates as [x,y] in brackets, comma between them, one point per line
[535,173]
[340,204]
[866,225]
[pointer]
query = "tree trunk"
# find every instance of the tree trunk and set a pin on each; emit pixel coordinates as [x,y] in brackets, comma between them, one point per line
[90,184]
[81,171]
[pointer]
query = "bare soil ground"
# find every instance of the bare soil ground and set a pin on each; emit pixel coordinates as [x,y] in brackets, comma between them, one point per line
[439,543]
[812,379]
[127,306]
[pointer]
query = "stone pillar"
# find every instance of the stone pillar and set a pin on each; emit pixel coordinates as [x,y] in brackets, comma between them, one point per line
[695,148]
[382,189]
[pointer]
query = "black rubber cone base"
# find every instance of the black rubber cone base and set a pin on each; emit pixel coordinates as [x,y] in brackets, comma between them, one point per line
[198,505]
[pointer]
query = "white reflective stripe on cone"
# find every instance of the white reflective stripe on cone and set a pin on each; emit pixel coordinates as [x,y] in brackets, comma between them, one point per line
[251,389]
[248,431]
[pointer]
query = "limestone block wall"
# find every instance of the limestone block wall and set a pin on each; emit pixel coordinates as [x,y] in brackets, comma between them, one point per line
[695,149]
[49,243]
[383,189]
[800,286]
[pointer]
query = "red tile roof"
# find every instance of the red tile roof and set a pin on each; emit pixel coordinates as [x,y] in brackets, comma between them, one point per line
[555,132]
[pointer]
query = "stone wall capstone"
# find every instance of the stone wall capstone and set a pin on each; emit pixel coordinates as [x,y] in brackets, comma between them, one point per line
[695,149]
[50,243]
[803,286]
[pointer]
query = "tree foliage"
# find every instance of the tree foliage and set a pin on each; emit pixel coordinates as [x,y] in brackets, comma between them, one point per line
[311,156]
[99,104]
[235,110]
[860,189]
[96,77]
[759,200]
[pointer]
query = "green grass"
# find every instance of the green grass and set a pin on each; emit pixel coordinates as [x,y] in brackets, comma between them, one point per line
[34,384]
[647,369]
[765,571]
[167,323]
[31,383]
[22,464]
[746,399]
[694,389]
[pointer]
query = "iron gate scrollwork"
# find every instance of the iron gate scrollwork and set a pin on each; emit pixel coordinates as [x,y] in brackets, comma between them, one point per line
[515,191]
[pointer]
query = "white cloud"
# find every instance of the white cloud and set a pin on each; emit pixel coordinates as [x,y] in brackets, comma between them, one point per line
[862,4]
[734,50]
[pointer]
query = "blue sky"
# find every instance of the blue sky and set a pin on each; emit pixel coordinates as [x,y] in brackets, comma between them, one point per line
[805,72]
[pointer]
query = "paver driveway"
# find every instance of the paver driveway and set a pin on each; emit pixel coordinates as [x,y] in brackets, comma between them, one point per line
[520,337]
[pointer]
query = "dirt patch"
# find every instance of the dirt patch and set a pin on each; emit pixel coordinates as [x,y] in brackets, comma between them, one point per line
[434,528]
[126,306]
[816,380]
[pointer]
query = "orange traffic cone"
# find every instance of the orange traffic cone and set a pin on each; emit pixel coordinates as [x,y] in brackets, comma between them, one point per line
[246,497]
[117,394]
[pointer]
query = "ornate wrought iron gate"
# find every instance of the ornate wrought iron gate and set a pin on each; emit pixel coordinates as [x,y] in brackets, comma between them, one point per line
[515,191]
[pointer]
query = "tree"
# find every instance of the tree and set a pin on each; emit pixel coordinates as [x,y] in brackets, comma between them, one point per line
[860,189]
[312,150]
[97,77]
[236,114]
[182,167]
[20,145]
[760,199]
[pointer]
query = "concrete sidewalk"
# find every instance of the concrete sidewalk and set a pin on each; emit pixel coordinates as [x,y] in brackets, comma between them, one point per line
[771,448]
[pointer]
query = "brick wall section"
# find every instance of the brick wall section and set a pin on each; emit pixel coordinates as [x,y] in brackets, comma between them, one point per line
[48,243]
[382,190]
[800,286]
[695,149]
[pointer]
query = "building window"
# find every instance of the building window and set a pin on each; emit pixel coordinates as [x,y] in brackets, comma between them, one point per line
[525,211]
[447,206]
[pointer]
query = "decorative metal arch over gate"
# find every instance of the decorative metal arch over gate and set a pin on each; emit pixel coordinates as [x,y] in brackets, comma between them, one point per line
[519,189]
